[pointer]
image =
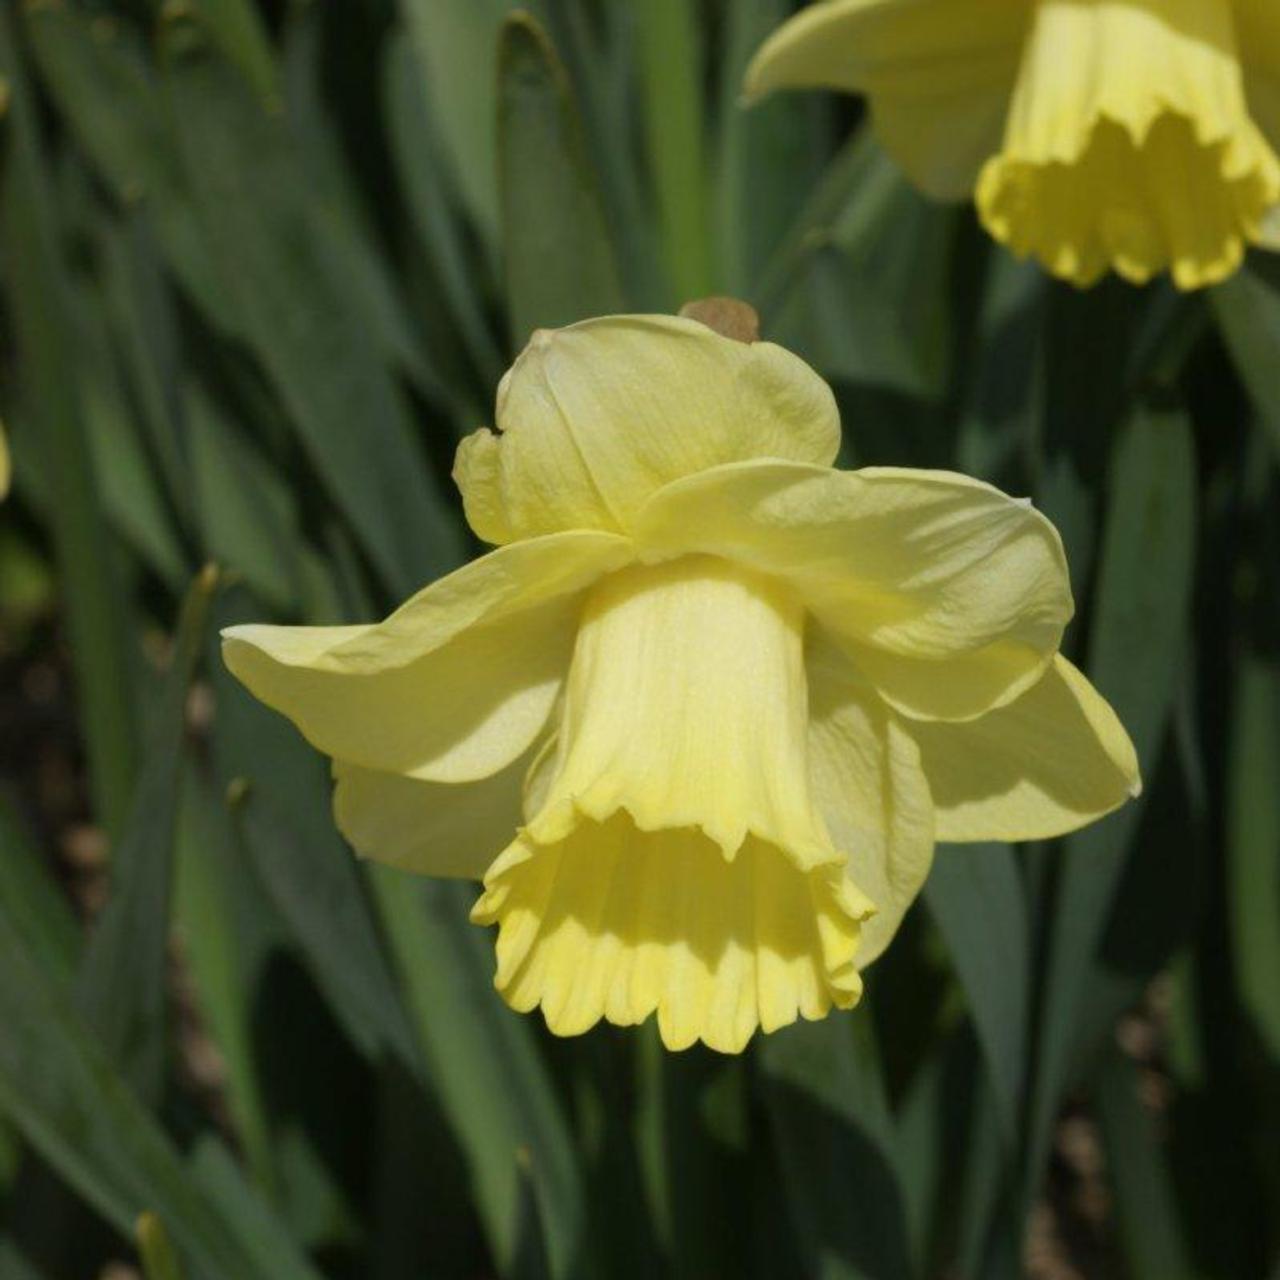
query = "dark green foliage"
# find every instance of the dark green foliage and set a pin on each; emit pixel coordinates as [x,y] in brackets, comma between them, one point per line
[262,266]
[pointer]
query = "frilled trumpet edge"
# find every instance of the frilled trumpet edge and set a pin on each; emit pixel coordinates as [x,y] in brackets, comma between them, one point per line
[1129,145]
[1136,204]
[618,923]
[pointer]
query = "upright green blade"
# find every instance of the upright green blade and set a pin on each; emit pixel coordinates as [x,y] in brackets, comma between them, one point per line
[1146,569]
[483,1059]
[975,895]
[256,211]
[39,302]
[830,1117]
[559,262]
[1253,845]
[123,976]
[60,1090]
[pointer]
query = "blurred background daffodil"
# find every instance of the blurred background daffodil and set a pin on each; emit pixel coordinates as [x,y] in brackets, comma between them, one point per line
[1135,136]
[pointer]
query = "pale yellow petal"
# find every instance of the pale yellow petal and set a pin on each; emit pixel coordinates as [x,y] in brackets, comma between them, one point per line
[951,595]
[871,788]
[942,143]
[1130,146]
[593,418]
[686,706]
[433,828]
[452,686]
[1050,762]
[939,74]
[617,923]
[958,688]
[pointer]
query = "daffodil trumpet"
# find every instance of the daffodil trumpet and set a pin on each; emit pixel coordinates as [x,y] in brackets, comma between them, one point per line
[698,720]
[1136,136]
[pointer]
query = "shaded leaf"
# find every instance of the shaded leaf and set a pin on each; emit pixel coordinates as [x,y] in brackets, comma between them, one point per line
[1253,845]
[1145,576]
[975,895]
[493,1086]
[124,974]
[559,262]
[257,213]
[59,1089]
[670,57]
[40,313]
[836,1144]
[1146,1203]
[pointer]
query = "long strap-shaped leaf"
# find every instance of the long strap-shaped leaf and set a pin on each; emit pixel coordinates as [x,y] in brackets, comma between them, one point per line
[828,1109]
[559,262]
[483,1060]
[1143,595]
[300,314]
[59,1088]
[123,976]
[975,896]
[38,298]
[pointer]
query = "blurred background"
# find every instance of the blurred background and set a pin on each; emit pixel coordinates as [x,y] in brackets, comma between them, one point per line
[262,267]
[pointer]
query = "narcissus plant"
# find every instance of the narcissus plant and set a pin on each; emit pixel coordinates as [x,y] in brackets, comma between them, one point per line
[1132,135]
[698,720]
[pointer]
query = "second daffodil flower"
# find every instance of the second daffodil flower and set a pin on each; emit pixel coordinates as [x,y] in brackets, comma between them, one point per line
[1131,135]
[698,720]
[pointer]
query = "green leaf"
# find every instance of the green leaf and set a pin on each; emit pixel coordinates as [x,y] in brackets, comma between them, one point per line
[858,285]
[975,896]
[320,354]
[1253,844]
[40,305]
[1247,309]
[97,73]
[415,150]
[559,262]
[123,981]
[457,44]
[348,238]
[671,74]
[493,1086]
[146,329]
[59,1089]
[159,1261]
[598,44]
[1144,587]
[132,491]
[836,1144]
[41,911]
[249,517]
[227,931]
[14,1265]
[768,157]
[1083,396]
[315,887]
[279,792]
[1146,1202]
[690,1135]
[999,403]
[238,28]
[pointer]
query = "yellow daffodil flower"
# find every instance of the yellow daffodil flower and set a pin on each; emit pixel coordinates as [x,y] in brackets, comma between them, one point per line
[698,720]
[1132,135]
